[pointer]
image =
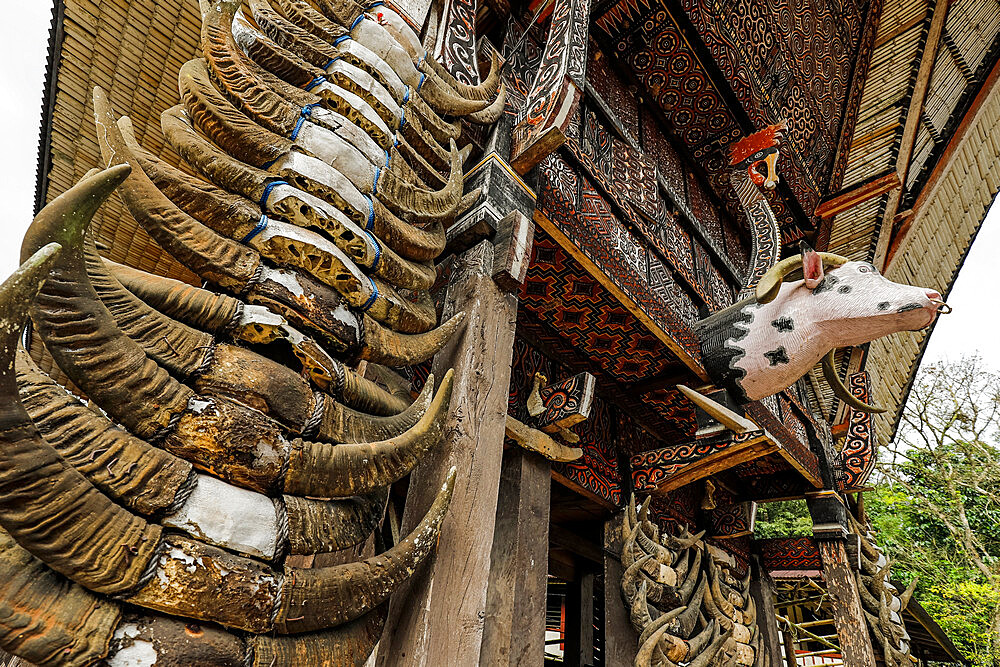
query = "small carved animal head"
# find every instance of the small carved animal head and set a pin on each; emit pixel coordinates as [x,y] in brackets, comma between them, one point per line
[761,147]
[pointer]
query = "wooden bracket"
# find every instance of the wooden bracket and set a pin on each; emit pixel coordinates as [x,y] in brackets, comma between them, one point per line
[541,443]
[513,242]
[562,404]
[555,93]
[662,470]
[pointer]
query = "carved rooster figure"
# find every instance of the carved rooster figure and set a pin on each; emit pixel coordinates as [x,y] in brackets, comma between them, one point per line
[684,601]
[325,148]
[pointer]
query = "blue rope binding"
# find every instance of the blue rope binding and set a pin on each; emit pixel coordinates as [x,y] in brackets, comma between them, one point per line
[261,226]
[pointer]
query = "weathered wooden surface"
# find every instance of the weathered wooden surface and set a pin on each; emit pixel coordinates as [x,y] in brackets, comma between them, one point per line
[762,591]
[580,622]
[855,643]
[515,604]
[620,640]
[437,617]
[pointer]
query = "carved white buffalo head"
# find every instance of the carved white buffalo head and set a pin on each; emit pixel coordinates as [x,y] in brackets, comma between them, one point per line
[762,345]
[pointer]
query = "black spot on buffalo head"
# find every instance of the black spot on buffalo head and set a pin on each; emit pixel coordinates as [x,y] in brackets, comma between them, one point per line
[783,324]
[884,305]
[778,356]
[844,289]
[829,282]
[908,307]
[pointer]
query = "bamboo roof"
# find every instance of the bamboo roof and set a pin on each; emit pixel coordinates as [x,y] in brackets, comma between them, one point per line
[132,49]
[950,207]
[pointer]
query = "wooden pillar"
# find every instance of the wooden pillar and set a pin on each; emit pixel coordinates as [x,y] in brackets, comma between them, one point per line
[580,622]
[515,602]
[855,642]
[762,591]
[620,641]
[790,659]
[436,618]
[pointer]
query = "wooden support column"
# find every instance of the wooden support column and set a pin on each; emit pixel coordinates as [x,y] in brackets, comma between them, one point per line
[620,641]
[855,642]
[762,591]
[580,622]
[436,617]
[515,603]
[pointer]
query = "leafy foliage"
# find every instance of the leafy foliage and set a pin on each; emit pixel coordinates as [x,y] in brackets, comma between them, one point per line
[936,508]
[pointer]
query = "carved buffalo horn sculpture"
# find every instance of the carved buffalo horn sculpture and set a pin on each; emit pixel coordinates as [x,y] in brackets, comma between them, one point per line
[236,176]
[237,443]
[840,390]
[82,628]
[228,371]
[151,482]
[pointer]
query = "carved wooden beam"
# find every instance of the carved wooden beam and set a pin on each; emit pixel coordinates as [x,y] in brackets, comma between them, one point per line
[851,197]
[858,455]
[456,40]
[662,470]
[563,404]
[790,554]
[555,94]
[733,520]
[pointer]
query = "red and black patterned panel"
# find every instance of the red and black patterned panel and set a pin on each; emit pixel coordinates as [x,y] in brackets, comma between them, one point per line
[857,458]
[572,203]
[677,508]
[613,91]
[652,468]
[597,471]
[790,554]
[704,211]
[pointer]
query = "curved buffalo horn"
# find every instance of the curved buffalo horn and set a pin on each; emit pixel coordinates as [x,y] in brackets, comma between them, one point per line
[91,350]
[684,624]
[639,608]
[199,581]
[150,481]
[484,91]
[200,308]
[236,176]
[318,469]
[49,507]
[177,233]
[253,183]
[661,621]
[391,348]
[234,216]
[631,575]
[644,657]
[142,478]
[840,390]
[676,543]
[705,658]
[770,283]
[354,81]
[221,261]
[492,113]
[242,138]
[240,374]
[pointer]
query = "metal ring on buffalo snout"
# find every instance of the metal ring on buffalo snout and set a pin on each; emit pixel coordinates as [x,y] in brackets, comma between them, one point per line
[944,309]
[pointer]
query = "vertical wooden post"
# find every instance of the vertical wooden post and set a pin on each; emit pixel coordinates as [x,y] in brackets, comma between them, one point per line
[580,622]
[790,659]
[436,618]
[855,642]
[515,602]
[620,640]
[762,591]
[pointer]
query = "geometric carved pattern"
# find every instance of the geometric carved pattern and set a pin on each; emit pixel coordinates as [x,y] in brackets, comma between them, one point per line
[779,59]
[571,203]
[797,554]
[567,402]
[785,429]
[668,468]
[859,452]
[456,42]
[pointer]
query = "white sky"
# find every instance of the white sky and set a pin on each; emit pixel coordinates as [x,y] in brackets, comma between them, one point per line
[973,327]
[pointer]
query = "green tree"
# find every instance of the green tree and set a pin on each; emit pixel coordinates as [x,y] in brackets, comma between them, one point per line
[936,507]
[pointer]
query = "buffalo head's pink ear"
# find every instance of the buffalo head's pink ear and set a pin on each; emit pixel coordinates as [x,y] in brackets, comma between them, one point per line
[812,266]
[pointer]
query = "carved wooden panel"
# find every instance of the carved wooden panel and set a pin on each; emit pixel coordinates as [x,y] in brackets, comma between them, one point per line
[859,453]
